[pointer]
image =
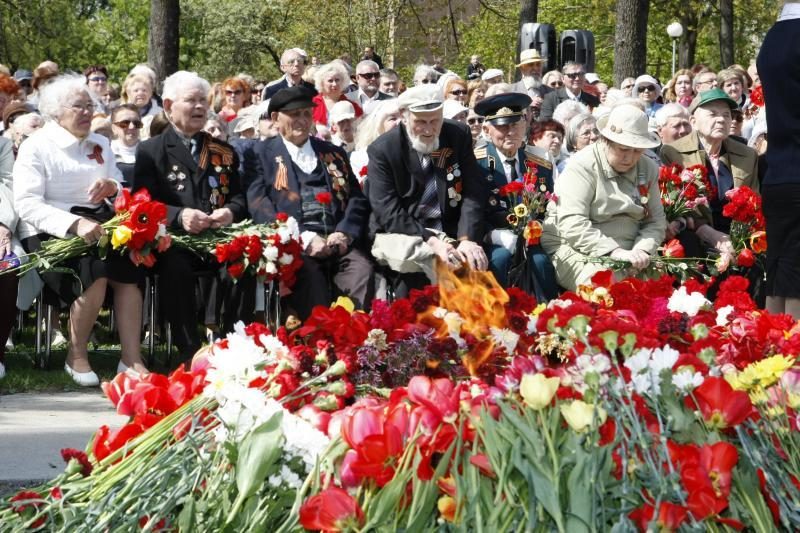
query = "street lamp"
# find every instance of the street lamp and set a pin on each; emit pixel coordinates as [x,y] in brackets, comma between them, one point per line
[674,30]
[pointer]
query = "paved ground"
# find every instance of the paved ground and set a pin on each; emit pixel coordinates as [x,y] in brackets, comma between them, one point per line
[34,428]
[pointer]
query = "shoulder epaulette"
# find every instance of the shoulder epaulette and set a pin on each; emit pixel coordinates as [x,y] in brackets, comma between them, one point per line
[542,162]
[480,152]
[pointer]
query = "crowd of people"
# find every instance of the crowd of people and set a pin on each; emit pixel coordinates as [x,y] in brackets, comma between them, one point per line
[413,173]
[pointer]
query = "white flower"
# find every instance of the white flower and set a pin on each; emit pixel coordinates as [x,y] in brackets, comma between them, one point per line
[683,302]
[286,259]
[639,361]
[686,380]
[270,268]
[270,253]
[646,367]
[439,312]
[505,338]
[377,338]
[240,362]
[664,358]
[289,230]
[723,314]
[531,327]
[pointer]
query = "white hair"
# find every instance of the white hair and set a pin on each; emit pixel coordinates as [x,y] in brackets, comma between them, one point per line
[425,71]
[667,111]
[568,109]
[371,126]
[334,67]
[181,81]
[573,129]
[499,88]
[367,63]
[54,96]
[143,69]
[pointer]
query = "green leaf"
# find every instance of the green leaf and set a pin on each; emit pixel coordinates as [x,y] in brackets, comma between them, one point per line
[579,487]
[186,516]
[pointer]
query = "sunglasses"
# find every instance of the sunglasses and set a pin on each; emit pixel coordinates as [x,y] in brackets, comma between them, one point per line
[458,92]
[125,124]
[230,92]
[574,75]
[428,81]
[475,120]
[556,84]
[98,79]
[371,75]
[650,88]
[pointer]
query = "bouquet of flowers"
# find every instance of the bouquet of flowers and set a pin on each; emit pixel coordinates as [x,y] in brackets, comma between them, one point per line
[748,234]
[682,190]
[267,251]
[528,200]
[138,227]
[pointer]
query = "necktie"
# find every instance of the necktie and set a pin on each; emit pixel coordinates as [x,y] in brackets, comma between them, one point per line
[194,147]
[512,176]
[429,209]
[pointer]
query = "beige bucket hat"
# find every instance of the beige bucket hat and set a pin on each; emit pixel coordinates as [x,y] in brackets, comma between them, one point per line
[627,125]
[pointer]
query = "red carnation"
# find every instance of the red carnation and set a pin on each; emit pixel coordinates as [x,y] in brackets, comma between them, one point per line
[236,270]
[281,217]
[324,198]
[69,454]
[33,500]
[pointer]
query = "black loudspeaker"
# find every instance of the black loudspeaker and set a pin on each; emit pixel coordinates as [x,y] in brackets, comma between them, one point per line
[543,38]
[578,46]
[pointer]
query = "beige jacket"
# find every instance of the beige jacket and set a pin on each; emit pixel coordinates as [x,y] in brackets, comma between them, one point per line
[598,211]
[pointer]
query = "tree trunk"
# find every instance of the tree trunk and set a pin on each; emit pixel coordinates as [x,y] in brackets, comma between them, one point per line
[687,46]
[630,47]
[726,33]
[529,10]
[163,47]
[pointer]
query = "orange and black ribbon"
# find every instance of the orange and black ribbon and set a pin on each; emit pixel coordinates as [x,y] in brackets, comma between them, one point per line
[282,176]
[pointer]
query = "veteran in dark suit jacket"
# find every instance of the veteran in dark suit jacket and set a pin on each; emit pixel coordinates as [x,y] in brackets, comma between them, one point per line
[424,182]
[293,65]
[197,178]
[574,75]
[311,180]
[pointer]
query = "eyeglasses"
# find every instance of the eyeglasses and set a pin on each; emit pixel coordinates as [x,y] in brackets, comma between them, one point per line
[98,79]
[458,92]
[574,75]
[298,61]
[370,75]
[650,88]
[556,84]
[427,81]
[125,124]
[475,120]
[78,108]
[626,87]
[231,92]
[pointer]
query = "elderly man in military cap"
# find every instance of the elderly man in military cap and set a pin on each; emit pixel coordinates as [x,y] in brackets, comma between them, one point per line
[507,159]
[311,180]
[425,184]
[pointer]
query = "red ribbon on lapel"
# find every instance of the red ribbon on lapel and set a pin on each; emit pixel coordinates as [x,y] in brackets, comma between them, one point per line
[97,154]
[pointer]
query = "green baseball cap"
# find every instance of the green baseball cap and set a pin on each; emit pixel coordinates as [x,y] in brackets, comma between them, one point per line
[712,95]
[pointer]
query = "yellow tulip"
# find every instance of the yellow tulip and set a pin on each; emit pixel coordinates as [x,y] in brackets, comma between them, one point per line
[345,303]
[521,210]
[537,390]
[120,236]
[578,415]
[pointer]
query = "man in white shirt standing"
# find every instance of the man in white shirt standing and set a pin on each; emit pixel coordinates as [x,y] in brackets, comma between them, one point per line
[368,77]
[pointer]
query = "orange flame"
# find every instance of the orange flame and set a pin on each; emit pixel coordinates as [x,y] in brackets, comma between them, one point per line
[479,300]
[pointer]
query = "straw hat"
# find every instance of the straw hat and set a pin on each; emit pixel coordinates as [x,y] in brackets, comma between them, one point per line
[627,125]
[531,55]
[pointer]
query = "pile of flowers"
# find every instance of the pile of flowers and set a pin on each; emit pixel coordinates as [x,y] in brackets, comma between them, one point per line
[635,405]
[748,227]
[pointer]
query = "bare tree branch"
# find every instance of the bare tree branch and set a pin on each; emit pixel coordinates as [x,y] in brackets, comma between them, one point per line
[453,24]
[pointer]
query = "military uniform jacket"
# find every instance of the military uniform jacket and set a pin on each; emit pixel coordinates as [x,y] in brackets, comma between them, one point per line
[165,167]
[264,161]
[497,206]
[396,181]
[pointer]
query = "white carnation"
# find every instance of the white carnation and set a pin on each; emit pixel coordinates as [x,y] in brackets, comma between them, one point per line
[683,302]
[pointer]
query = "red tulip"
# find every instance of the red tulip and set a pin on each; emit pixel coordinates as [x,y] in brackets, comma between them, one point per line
[333,509]
[122,201]
[746,258]
[721,405]
[674,248]
[377,440]
[706,474]
[439,396]
[106,442]
[480,461]
[670,516]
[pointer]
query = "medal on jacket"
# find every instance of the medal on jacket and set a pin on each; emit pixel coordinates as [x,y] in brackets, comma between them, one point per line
[282,176]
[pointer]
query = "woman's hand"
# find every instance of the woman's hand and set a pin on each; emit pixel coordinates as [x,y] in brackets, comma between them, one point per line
[87,230]
[638,259]
[102,189]
[5,241]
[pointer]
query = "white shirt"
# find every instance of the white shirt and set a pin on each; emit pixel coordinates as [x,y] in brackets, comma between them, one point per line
[123,152]
[53,173]
[303,156]
[573,97]
[507,166]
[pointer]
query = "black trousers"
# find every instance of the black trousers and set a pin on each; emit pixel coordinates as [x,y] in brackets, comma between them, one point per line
[319,281]
[180,272]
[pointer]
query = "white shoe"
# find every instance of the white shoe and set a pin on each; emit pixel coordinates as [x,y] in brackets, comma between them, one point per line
[2,370]
[9,344]
[84,379]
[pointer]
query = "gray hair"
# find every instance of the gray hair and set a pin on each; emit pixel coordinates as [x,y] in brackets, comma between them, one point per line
[551,74]
[574,126]
[53,97]
[334,67]
[183,80]
[367,63]
[695,78]
[567,109]
[143,69]
[425,71]
[667,111]
[574,64]
[370,127]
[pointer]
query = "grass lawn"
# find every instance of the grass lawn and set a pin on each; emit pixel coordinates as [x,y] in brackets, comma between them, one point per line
[23,376]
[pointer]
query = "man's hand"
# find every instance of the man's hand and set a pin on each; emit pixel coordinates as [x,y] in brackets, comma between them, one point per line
[101,189]
[221,217]
[5,241]
[445,251]
[194,221]
[338,242]
[318,248]
[87,230]
[638,259]
[473,254]
[674,228]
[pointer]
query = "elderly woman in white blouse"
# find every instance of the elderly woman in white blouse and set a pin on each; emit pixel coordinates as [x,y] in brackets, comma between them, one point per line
[64,178]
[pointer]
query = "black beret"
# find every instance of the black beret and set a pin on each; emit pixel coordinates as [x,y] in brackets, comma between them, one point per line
[297,97]
[504,108]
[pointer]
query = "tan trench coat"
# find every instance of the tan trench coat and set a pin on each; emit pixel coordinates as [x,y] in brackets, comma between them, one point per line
[598,211]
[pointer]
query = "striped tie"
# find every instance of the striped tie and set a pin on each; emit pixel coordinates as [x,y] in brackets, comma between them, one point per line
[429,210]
